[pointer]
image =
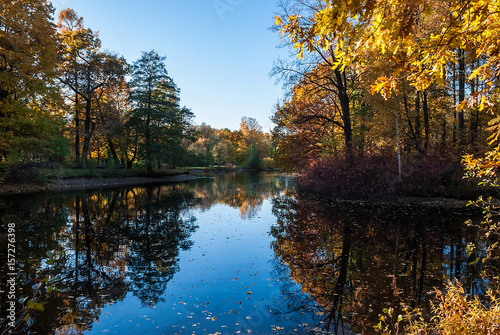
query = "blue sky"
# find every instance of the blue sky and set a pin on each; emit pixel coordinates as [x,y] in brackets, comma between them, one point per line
[219,52]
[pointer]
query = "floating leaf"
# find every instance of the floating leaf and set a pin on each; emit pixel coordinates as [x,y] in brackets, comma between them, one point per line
[36,306]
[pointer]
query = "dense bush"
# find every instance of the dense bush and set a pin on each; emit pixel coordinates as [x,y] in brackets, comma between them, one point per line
[27,172]
[253,158]
[349,175]
[364,174]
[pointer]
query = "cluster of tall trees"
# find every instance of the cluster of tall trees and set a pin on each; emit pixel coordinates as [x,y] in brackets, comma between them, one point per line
[390,76]
[63,97]
[248,146]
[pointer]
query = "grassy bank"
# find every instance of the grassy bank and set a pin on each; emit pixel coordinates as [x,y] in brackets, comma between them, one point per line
[67,173]
[68,179]
[45,173]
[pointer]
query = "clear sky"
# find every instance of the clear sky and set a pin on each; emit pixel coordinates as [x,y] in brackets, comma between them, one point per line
[219,52]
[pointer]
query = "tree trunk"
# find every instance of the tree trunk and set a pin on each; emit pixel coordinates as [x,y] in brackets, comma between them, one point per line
[344,105]
[417,119]
[444,133]
[461,93]
[77,130]
[149,163]
[455,116]
[474,117]
[113,151]
[86,140]
[426,121]
[98,152]
[409,121]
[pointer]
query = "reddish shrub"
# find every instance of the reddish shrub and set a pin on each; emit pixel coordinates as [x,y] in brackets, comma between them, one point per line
[434,176]
[356,174]
[364,175]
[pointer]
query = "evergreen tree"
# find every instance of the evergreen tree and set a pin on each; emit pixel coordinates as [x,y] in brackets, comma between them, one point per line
[157,116]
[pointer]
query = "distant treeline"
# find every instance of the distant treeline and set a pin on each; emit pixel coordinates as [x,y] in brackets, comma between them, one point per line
[63,99]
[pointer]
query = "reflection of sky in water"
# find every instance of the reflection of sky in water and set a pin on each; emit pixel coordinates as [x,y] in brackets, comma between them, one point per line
[196,258]
[208,291]
[200,258]
[226,282]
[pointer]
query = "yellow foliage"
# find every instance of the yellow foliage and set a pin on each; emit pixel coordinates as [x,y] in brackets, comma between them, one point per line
[454,314]
[393,29]
[457,314]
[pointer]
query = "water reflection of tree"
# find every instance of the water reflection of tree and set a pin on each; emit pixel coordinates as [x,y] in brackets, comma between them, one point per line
[116,241]
[37,222]
[294,306]
[356,260]
[111,239]
[246,191]
[157,234]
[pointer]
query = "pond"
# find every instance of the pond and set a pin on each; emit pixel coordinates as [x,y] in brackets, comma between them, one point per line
[231,253]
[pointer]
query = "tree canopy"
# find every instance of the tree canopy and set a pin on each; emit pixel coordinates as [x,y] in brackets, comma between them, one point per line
[29,115]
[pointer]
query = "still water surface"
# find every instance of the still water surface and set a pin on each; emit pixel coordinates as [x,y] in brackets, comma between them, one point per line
[233,253]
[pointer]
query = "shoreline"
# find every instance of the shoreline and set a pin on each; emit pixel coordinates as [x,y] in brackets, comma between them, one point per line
[78,184]
[81,184]
[394,201]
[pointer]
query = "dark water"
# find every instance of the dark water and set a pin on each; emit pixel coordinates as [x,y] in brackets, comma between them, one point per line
[238,253]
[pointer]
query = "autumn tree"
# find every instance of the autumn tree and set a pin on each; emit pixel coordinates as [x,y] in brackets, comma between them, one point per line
[73,37]
[309,124]
[112,106]
[253,138]
[29,106]
[417,76]
[354,30]
[85,69]
[317,66]
[201,148]
[224,152]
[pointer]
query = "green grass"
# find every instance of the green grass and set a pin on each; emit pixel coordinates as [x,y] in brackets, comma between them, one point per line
[69,173]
